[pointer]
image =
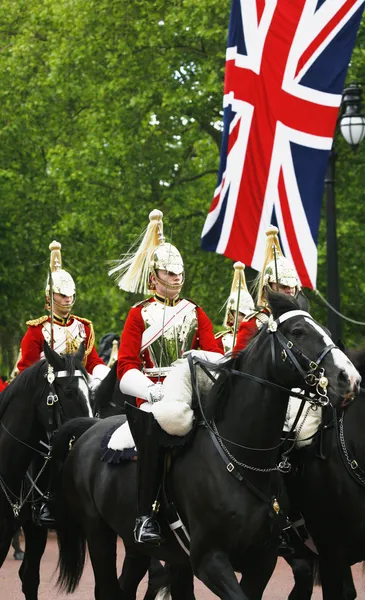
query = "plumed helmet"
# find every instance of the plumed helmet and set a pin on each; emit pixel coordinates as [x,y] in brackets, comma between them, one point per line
[132,272]
[62,282]
[239,299]
[168,258]
[286,273]
[276,267]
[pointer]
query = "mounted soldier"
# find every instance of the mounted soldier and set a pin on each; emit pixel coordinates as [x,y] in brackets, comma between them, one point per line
[157,332]
[63,331]
[277,273]
[239,305]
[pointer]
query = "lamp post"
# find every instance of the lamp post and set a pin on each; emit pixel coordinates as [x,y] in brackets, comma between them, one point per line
[352,126]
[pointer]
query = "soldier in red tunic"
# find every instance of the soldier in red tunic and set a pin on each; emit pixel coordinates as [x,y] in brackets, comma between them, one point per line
[157,332]
[279,274]
[65,334]
[68,330]
[239,305]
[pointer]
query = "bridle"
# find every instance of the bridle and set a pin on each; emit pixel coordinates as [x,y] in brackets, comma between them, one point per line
[312,373]
[55,418]
[310,370]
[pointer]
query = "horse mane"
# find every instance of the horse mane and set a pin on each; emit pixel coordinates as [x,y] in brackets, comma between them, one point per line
[357,357]
[26,380]
[215,404]
[23,383]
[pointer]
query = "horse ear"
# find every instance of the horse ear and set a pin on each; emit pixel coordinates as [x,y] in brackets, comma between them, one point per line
[280,303]
[47,351]
[303,301]
[80,352]
[52,357]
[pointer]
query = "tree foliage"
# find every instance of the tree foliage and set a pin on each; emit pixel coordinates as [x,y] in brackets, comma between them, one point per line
[108,110]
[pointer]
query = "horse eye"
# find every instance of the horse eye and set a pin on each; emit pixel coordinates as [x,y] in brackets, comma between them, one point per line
[297,332]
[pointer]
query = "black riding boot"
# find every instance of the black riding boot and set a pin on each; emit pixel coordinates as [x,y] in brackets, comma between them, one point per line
[145,431]
[46,516]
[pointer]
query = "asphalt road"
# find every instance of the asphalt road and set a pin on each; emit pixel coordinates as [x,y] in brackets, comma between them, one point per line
[277,589]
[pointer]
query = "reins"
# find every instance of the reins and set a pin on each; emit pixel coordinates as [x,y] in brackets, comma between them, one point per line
[55,414]
[351,465]
[297,359]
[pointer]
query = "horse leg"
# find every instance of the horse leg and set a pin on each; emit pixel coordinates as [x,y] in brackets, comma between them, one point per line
[102,544]
[182,582]
[336,579]
[35,543]
[215,570]
[135,567]
[7,532]
[256,572]
[15,542]
[303,571]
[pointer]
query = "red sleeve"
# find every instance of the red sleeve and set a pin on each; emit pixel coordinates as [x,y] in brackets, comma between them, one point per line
[246,331]
[205,339]
[219,341]
[31,347]
[129,355]
[93,358]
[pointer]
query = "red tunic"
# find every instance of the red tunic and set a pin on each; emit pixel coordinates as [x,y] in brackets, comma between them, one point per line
[32,344]
[129,356]
[3,385]
[246,331]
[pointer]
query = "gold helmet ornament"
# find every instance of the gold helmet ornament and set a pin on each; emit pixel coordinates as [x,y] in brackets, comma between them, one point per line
[62,282]
[240,298]
[276,268]
[133,271]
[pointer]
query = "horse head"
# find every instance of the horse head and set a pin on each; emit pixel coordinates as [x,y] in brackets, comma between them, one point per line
[299,341]
[68,391]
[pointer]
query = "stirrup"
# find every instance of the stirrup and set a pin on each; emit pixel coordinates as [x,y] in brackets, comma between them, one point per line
[147,531]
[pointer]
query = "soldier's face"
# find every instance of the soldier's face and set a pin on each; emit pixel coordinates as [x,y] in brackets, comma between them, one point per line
[63,304]
[168,284]
[284,289]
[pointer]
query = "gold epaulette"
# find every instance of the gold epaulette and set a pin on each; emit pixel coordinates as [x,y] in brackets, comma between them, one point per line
[142,302]
[220,334]
[91,341]
[85,321]
[192,301]
[35,322]
[251,315]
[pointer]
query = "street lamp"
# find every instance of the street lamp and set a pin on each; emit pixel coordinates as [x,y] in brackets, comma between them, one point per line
[352,126]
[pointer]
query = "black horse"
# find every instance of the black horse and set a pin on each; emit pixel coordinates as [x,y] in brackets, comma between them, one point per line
[230,496]
[329,489]
[36,403]
[108,399]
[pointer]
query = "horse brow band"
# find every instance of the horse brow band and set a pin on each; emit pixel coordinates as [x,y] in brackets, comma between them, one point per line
[77,373]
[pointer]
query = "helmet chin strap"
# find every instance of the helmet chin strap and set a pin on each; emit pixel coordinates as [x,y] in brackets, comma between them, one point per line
[60,306]
[169,286]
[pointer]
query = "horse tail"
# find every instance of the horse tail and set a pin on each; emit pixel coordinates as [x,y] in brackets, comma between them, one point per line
[70,536]
[68,435]
[72,550]
[159,581]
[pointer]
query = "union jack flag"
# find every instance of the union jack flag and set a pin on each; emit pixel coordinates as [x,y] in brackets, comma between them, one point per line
[286,66]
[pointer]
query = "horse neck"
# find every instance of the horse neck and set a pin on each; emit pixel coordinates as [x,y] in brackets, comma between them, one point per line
[19,429]
[254,414]
[354,420]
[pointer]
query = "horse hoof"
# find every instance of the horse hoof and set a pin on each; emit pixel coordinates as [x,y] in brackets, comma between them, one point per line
[19,555]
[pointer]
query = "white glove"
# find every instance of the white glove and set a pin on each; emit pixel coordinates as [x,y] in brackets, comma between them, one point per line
[99,373]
